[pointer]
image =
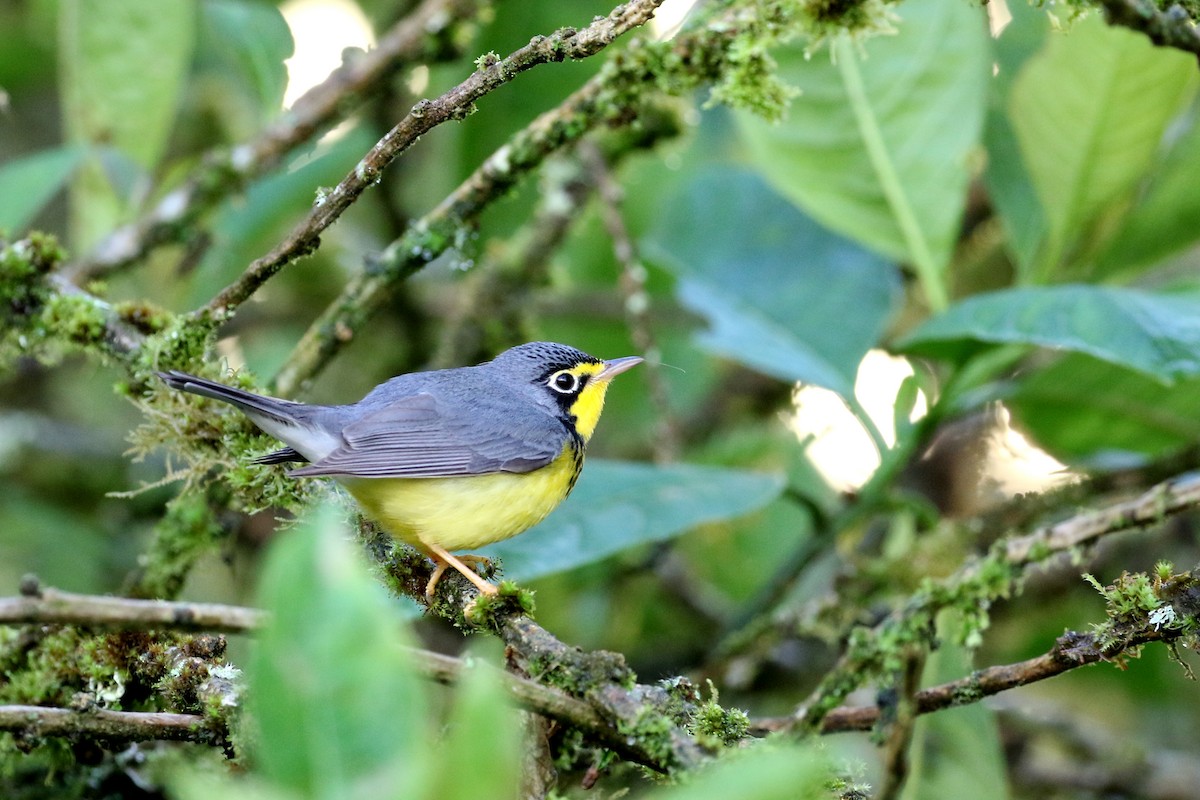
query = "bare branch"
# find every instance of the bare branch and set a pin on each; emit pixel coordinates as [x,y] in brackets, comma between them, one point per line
[1156,504]
[51,606]
[457,103]
[1071,651]
[121,726]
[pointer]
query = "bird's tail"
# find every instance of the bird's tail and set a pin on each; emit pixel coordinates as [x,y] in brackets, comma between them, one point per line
[281,411]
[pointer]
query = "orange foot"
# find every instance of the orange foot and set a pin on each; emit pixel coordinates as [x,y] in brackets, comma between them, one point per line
[442,560]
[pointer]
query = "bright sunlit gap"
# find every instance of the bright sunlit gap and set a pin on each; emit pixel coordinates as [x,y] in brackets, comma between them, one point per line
[322,30]
[844,455]
[839,448]
[669,16]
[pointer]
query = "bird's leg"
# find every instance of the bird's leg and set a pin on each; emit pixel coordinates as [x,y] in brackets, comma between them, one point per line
[443,559]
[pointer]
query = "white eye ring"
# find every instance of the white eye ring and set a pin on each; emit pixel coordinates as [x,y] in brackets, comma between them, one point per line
[564,382]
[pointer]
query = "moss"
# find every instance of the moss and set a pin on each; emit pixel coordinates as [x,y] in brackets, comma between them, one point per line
[652,730]
[716,726]
[192,526]
[579,674]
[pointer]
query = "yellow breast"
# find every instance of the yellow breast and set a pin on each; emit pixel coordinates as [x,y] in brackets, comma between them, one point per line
[465,513]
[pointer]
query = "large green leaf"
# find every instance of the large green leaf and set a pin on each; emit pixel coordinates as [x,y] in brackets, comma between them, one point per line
[1152,333]
[957,751]
[1092,413]
[121,75]
[28,183]
[618,505]
[337,708]
[244,43]
[484,735]
[123,67]
[781,294]
[778,771]
[1008,183]
[1089,113]
[1164,220]
[878,147]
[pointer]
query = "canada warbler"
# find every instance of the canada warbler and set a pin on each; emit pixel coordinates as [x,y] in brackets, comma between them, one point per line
[451,459]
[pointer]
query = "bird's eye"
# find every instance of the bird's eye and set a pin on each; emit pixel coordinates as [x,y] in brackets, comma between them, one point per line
[564,382]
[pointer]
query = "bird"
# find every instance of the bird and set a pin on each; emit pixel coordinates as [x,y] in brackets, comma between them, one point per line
[451,459]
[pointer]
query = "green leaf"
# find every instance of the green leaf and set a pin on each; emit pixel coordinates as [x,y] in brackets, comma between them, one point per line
[122,69]
[1091,413]
[765,772]
[249,41]
[619,504]
[1163,222]
[1089,113]
[1007,180]
[885,163]
[782,294]
[484,736]
[27,184]
[1152,333]
[336,705]
[957,751]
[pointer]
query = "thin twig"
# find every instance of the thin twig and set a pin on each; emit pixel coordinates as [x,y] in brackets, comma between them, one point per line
[1071,651]
[419,36]
[632,283]
[1156,504]
[456,103]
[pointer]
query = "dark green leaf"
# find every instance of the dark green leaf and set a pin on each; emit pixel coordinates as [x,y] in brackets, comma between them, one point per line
[1091,413]
[618,505]
[1164,221]
[251,39]
[957,751]
[337,708]
[1152,333]
[27,184]
[782,294]
[766,772]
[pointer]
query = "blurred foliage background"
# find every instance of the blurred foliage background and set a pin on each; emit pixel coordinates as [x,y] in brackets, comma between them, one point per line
[910,277]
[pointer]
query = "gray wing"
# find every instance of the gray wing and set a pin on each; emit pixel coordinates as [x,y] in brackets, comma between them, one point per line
[418,437]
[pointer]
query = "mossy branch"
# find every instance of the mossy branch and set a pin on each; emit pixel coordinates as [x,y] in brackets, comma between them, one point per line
[606,713]
[875,651]
[1071,651]
[457,103]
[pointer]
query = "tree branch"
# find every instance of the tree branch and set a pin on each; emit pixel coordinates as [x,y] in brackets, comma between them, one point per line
[1166,499]
[416,37]
[38,605]
[119,726]
[1170,28]
[1071,651]
[593,716]
[456,103]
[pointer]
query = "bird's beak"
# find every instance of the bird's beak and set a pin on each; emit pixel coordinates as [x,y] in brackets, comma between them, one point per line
[616,366]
